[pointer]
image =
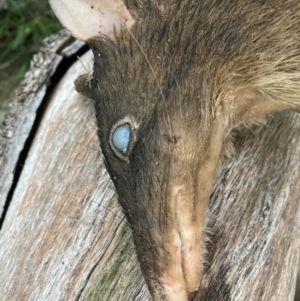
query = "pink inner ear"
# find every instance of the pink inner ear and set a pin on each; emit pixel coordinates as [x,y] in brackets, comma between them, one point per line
[89,18]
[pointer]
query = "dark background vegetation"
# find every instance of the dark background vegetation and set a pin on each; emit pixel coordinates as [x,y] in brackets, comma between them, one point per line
[23,26]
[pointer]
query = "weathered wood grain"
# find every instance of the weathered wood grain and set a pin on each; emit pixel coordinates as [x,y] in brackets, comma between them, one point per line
[64,229]
[65,238]
[29,96]
[254,241]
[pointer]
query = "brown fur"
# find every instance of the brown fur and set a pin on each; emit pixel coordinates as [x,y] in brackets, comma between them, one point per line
[184,77]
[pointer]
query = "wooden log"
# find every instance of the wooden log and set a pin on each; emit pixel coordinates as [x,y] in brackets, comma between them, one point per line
[64,236]
[19,122]
[254,217]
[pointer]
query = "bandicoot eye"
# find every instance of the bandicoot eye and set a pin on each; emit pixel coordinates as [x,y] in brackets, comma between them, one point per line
[121,138]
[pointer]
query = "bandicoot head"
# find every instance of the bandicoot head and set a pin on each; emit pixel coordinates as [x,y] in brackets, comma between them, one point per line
[171,80]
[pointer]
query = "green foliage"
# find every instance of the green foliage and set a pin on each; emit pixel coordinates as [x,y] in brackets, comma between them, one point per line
[23,26]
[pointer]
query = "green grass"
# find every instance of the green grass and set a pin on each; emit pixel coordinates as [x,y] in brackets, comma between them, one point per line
[23,26]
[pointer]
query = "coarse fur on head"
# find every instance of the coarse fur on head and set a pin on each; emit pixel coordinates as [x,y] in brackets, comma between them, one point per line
[183,75]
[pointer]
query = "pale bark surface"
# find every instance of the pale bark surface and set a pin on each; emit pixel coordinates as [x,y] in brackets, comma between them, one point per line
[64,236]
[18,123]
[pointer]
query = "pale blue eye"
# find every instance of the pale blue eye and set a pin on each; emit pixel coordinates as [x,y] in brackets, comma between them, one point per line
[121,137]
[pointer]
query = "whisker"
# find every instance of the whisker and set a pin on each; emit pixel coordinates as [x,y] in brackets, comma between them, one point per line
[101,160]
[91,148]
[155,78]
[93,127]
[102,206]
[121,217]
[90,74]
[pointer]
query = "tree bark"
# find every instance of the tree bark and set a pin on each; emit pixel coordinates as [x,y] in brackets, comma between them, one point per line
[28,102]
[64,236]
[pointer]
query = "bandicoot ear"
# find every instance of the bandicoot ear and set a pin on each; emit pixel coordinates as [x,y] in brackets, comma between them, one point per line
[90,18]
[82,85]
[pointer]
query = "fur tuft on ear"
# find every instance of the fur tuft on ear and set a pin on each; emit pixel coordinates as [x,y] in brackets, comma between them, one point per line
[90,18]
